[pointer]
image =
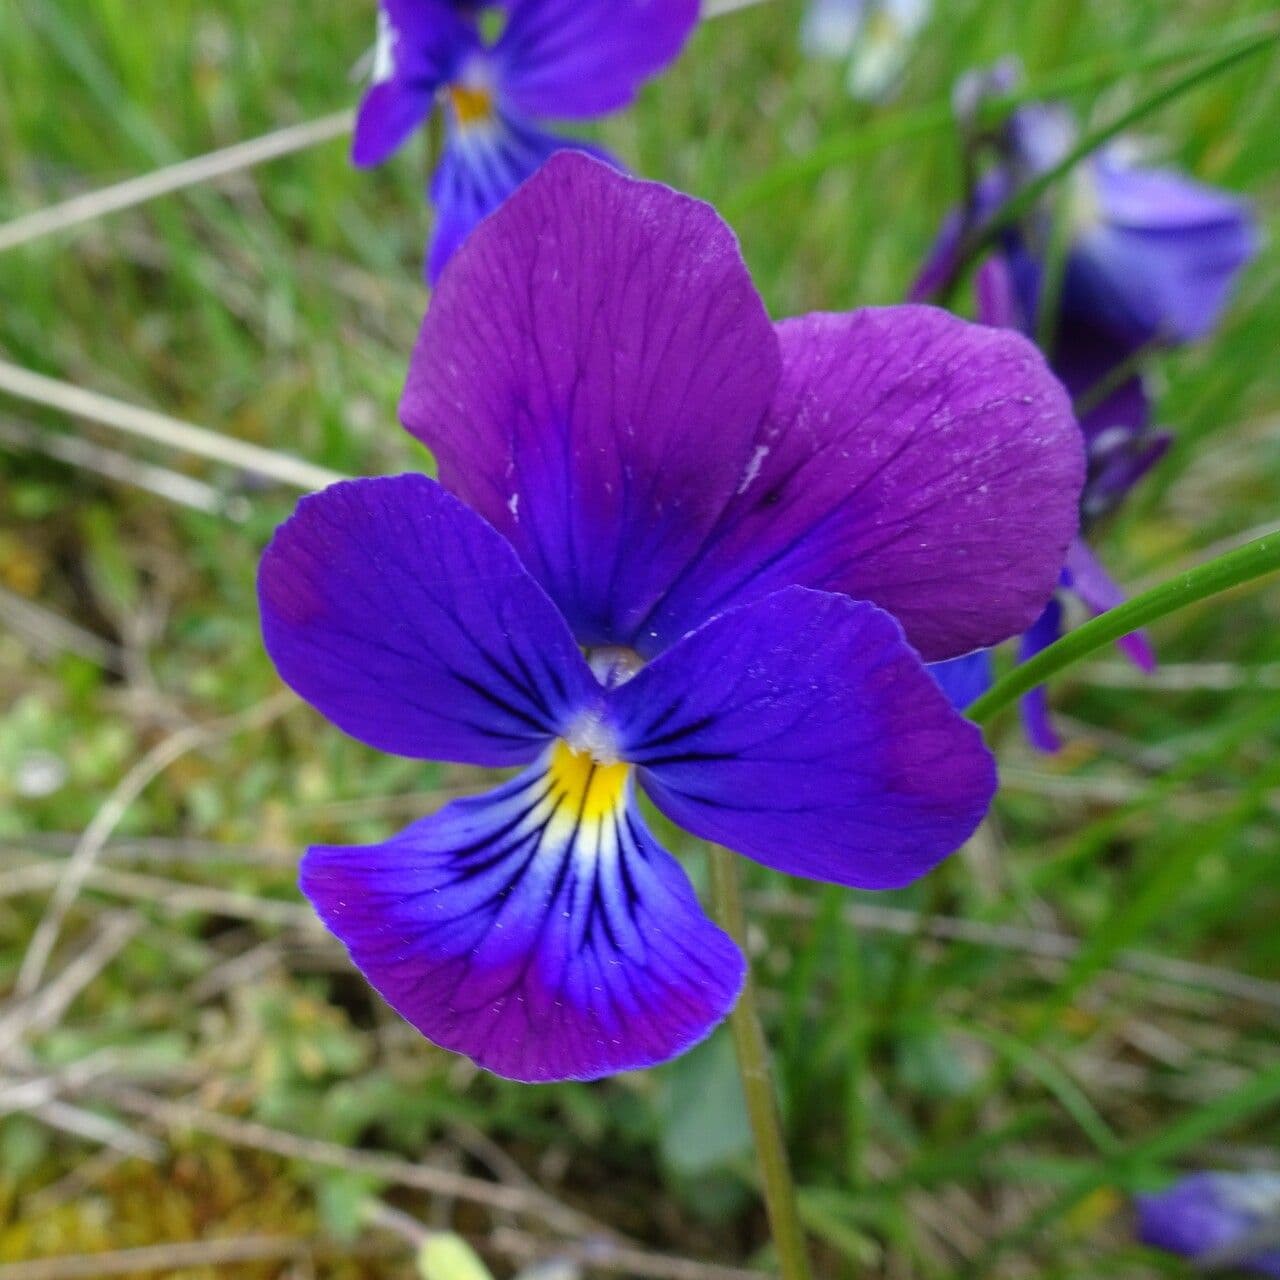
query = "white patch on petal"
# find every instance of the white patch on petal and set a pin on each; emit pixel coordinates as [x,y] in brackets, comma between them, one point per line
[384,52]
[753,467]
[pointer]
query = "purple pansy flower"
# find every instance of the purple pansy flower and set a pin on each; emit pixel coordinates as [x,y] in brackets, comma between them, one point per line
[665,552]
[1151,259]
[1224,1219]
[557,59]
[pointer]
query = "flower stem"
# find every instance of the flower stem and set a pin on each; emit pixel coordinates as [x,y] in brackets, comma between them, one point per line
[757,1083]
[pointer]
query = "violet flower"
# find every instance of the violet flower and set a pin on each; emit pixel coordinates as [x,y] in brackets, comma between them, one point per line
[554,59]
[673,547]
[1151,259]
[1220,1219]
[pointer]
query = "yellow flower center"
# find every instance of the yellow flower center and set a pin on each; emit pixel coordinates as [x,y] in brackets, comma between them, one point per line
[584,789]
[472,104]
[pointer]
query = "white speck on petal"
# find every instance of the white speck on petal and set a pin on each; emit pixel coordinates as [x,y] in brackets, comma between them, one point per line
[753,467]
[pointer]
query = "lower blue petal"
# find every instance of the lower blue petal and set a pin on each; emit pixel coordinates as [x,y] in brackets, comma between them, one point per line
[539,929]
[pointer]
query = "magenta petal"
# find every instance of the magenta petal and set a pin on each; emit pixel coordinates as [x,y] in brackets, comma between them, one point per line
[912,459]
[541,947]
[402,617]
[804,732]
[577,58]
[590,376]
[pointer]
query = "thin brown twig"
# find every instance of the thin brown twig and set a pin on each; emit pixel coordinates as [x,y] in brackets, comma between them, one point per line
[51,634]
[104,822]
[187,173]
[162,429]
[182,1256]
[175,896]
[45,1007]
[172,486]
[1038,942]
[602,1255]
[247,1133]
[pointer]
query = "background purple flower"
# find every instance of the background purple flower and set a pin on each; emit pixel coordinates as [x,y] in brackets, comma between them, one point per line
[654,472]
[1151,259]
[1230,1218]
[562,59]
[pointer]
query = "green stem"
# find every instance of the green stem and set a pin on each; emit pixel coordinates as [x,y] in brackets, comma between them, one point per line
[757,1084]
[1254,560]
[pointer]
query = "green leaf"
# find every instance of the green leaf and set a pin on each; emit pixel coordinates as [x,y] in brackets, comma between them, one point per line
[1254,560]
[444,1256]
[705,1118]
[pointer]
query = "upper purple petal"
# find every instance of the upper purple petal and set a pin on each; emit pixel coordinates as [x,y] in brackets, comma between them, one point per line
[590,375]
[804,732]
[542,946]
[407,621]
[421,44]
[909,458]
[578,58]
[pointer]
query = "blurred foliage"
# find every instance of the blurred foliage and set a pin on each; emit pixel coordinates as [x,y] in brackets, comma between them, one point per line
[952,1108]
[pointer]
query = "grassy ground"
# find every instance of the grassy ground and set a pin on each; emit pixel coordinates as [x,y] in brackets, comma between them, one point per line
[977,1107]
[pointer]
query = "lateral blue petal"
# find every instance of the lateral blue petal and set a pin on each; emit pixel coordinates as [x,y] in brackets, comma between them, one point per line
[540,930]
[964,680]
[399,614]
[804,732]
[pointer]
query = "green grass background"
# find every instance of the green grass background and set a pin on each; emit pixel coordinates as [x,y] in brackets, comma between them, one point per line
[953,1109]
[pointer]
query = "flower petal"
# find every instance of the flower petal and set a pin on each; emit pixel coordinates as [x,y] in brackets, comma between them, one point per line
[1163,261]
[540,930]
[804,732]
[928,465]
[402,617]
[481,167]
[1100,592]
[1037,723]
[421,43]
[1203,1213]
[590,376]
[576,58]
[965,679]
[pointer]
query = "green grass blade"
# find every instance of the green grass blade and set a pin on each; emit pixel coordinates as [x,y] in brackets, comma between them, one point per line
[1254,560]
[1026,197]
[904,126]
